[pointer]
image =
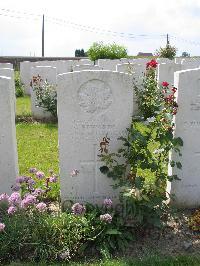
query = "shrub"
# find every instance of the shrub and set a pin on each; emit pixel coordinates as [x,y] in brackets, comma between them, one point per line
[139,168]
[109,51]
[46,96]
[19,91]
[167,52]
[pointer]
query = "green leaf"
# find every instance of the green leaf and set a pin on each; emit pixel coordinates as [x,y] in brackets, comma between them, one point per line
[104,169]
[113,232]
[178,165]
[139,182]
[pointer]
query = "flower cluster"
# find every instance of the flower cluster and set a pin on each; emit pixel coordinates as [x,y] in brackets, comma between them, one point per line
[151,64]
[78,209]
[107,203]
[106,218]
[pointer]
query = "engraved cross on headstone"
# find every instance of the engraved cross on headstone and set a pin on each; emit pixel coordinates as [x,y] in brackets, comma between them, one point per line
[91,168]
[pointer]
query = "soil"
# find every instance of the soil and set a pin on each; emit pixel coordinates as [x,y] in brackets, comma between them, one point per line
[174,239]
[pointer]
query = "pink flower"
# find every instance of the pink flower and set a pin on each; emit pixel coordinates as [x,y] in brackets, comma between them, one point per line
[41,207]
[78,209]
[40,174]
[2,226]
[53,179]
[12,210]
[32,170]
[4,197]
[106,218]
[74,172]
[14,198]
[107,203]
[27,201]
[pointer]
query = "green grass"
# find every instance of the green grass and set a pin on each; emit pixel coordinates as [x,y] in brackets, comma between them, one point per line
[37,146]
[149,261]
[23,106]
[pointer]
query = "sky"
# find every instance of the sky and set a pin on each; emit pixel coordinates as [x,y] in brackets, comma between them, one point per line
[139,25]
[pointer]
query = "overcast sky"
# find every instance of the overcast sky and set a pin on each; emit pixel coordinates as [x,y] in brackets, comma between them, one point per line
[76,24]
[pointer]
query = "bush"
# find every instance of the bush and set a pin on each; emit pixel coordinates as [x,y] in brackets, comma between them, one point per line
[109,51]
[46,96]
[139,168]
[19,91]
[167,52]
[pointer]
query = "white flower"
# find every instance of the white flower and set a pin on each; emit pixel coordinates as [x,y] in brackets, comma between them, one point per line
[151,119]
[158,151]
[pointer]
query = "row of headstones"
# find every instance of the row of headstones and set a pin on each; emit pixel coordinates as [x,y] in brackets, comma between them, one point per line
[94,109]
[165,72]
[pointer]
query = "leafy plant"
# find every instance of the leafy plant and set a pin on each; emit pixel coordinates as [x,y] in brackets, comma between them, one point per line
[109,51]
[19,91]
[46,96]
[145,152]
[167,52]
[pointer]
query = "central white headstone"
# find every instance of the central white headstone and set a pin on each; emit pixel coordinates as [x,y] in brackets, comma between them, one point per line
[94,109]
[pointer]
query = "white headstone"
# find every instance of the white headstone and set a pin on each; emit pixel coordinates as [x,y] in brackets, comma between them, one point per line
[45,73]
[86,67]
[85,61]
[25,76]
[6,65]
[8,146]
[187,121]
[93,107]
[108,64]
[166,72]
[190,63]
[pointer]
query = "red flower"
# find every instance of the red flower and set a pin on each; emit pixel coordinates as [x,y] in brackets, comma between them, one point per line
[165,84]
[152,64]
[174,89]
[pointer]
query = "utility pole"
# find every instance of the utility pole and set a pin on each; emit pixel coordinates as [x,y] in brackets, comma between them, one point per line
[43,36]
[167,39]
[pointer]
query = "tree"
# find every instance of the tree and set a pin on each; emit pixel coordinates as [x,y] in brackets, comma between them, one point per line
[167,52]
[106,51]
[185,54]
[80,53]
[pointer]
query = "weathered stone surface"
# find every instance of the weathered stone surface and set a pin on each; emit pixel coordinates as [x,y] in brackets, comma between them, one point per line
[91,116]
[8,146]
[187,190]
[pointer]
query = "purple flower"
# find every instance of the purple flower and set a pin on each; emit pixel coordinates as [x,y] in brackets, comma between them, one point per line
[53,179]
[42,207]
[20,179]
[31,182]
[38,192]
[4,197]
[74,172]
[78,209]
[106,218]
[107,203]
[14,198]
[16,187]
[28,200]
[40,174]
[12,210]
[32,170]
[2,226]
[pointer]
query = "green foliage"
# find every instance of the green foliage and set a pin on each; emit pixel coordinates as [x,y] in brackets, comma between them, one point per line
[145,152]
[80,53]
[107,237]
[148,95]
[35,236]
[167,52]
[46,96]
[19,91]
[109,51]
[185,54]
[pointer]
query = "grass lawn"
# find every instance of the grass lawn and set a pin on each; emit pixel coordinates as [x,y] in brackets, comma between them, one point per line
[149,261]
[37,142]
[23,106]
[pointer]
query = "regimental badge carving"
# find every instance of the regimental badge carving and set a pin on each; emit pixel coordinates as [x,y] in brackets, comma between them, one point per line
[95,96]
